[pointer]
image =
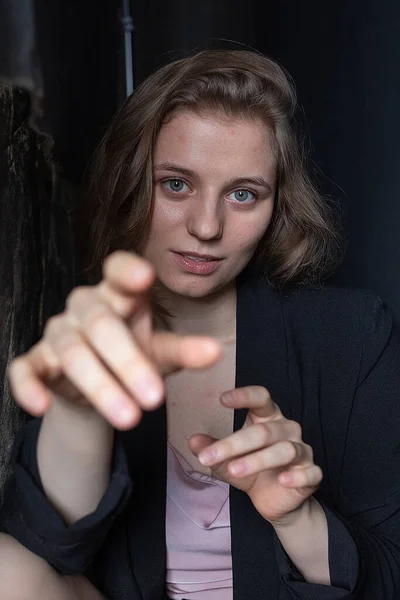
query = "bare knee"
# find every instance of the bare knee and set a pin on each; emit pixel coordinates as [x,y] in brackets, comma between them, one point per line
[25,576]
[22,573]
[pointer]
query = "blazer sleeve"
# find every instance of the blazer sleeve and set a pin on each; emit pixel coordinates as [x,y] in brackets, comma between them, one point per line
[29,517]
[364,525]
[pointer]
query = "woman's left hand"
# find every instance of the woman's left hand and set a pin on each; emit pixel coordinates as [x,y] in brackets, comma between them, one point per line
[267,458]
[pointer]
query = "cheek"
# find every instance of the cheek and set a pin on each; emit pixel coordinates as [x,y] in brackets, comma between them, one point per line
[166,219]
[246,237]
[263,222]
[166,215]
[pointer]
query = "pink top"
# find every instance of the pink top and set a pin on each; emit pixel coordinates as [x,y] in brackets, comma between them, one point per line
[199,561]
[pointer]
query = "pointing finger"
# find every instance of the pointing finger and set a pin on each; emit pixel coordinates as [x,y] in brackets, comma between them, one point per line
[249,439]
[279,455]
[173,352]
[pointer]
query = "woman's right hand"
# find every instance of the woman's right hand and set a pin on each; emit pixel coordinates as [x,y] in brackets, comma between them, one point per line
[102,351]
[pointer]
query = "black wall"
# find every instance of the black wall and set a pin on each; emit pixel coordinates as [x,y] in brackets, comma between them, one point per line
[344,56]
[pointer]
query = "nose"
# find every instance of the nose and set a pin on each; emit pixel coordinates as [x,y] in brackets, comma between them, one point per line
[206,220]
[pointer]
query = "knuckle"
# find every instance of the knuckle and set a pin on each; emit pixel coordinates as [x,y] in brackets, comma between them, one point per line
[102,289]
[96,321]
[228,448]
[313,477]
[53,325]
[259,392]
[14,366]
[263,432]
[115,256]
[256,463]
[70,353]
[266,395]
[241,394]
[78,295]
[289,450]
[111,261]
[117,302]
[295,429]
[309,452]
[48,358]
[17,362]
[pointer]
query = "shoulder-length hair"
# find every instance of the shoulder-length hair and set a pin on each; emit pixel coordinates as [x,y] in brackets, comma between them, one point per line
[301,242]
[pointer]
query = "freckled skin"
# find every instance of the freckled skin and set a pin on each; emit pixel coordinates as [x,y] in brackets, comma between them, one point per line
[205,215]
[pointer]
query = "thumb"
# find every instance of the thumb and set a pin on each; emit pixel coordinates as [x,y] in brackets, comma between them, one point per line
[199,441]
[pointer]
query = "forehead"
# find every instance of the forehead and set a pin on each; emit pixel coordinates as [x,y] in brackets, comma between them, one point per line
[207,142]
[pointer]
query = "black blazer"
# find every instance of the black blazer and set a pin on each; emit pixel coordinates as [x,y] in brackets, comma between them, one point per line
[331,360]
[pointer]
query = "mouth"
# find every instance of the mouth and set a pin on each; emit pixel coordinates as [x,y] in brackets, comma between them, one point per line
[198,264]
[198,257]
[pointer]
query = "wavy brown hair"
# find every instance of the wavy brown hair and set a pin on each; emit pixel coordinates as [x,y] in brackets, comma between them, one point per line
[301,242]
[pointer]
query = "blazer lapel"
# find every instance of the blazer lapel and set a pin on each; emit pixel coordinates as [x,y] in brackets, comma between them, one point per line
[261,359]
[148,460]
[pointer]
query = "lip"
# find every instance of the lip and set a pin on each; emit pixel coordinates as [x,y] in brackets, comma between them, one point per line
[208,256]
[195,267]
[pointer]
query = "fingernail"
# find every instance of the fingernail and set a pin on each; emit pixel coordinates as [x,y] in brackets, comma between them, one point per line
[207,457]
[227,398]
[121,409]
[149,389]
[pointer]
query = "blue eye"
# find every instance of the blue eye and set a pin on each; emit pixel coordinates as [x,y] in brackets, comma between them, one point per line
[242,196]
[175,185]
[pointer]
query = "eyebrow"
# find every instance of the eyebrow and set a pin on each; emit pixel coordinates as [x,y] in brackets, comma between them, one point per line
[251,180]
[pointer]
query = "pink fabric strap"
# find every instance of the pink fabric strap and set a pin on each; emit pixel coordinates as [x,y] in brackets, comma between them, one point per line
[199,561]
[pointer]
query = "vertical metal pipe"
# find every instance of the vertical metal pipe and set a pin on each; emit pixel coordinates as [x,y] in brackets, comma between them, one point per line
[127,24]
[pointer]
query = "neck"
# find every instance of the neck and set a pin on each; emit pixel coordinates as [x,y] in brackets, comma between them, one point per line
[213,316]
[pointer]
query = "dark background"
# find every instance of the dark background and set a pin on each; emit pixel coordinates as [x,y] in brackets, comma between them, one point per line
[62,68]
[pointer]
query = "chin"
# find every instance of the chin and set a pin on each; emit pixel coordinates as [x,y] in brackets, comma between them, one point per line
[203,287]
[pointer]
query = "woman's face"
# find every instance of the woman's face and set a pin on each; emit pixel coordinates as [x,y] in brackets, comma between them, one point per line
[214,197]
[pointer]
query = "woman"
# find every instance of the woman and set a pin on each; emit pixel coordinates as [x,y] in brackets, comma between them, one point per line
[271,470]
